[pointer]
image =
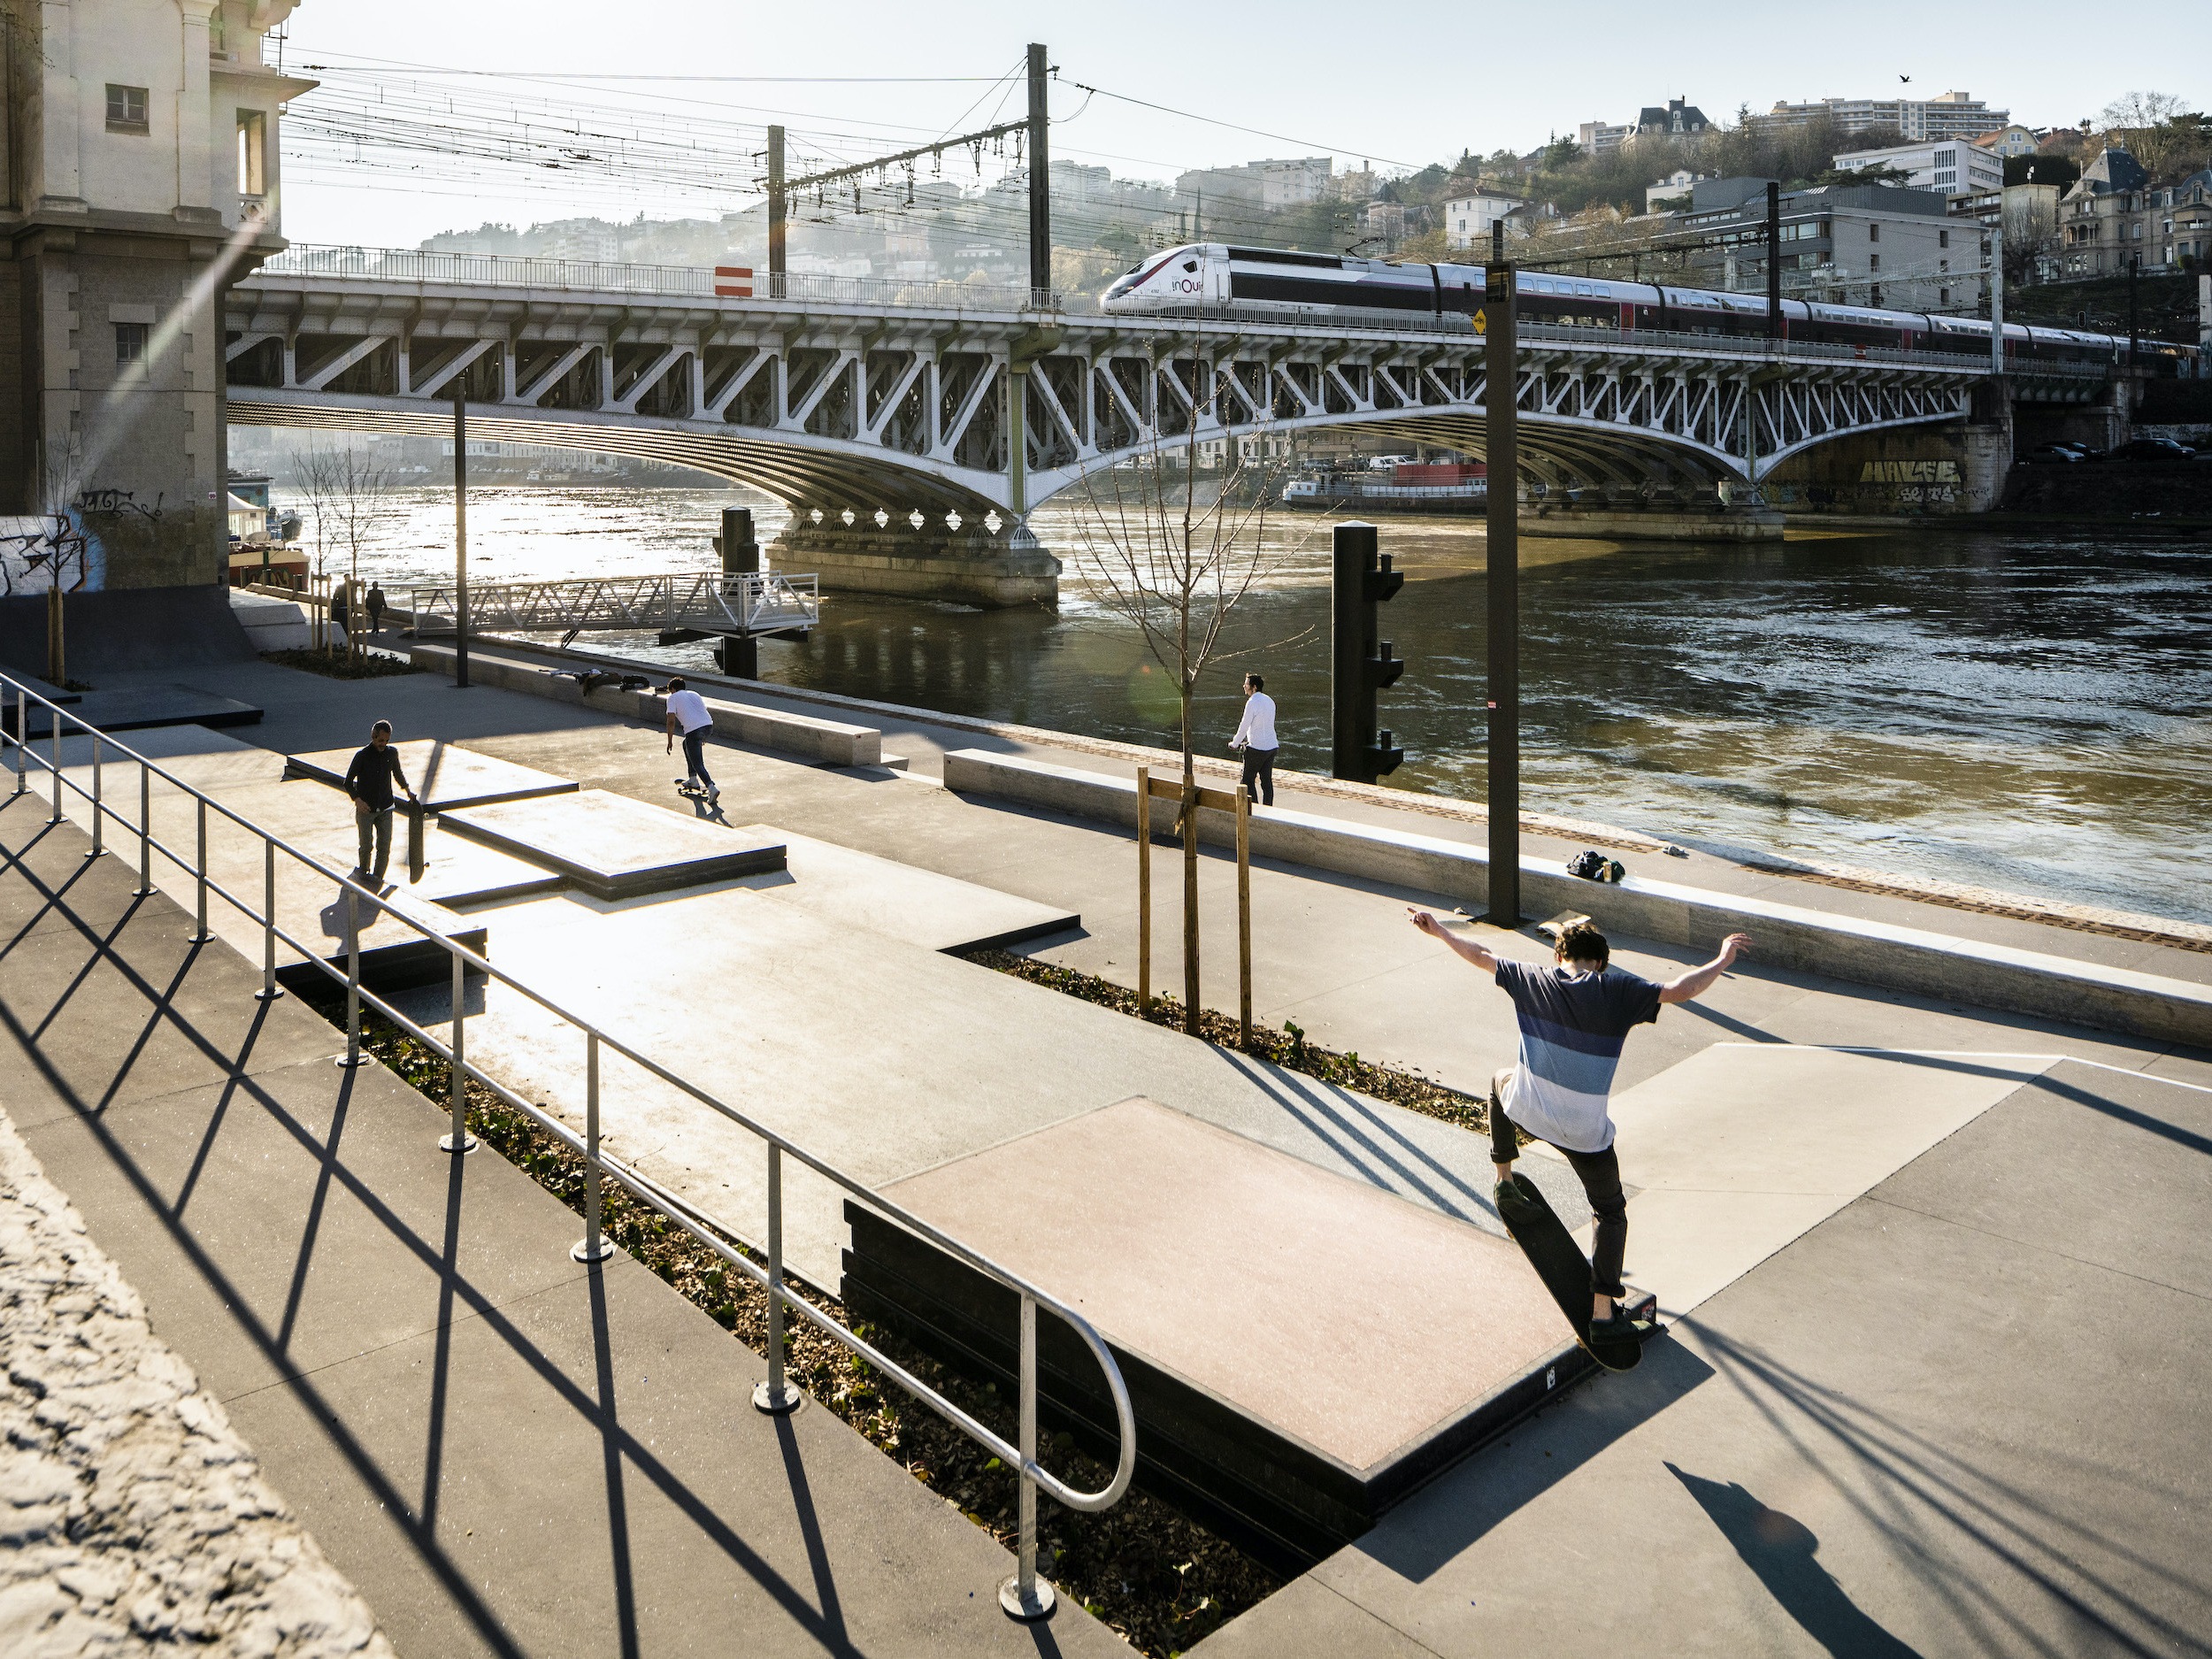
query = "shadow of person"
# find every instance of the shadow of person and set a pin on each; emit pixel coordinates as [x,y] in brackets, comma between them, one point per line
[1780,1551]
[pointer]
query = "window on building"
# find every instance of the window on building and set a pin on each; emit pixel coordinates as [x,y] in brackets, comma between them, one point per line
[1943,239]
[1943,296]
[1874,261]
[253,149]
[126,109]
[130,345]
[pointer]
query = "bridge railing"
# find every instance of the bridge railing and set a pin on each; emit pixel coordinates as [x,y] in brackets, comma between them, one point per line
[606,276]
[717,601]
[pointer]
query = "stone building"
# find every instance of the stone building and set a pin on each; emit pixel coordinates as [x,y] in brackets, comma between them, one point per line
[142,178]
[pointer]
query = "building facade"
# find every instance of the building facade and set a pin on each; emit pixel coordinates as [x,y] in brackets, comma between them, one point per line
[1844,244]
[1949,115]
[1468,218]
[1944,166]
[142,177]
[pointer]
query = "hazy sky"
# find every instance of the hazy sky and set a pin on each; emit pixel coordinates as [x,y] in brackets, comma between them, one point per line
[1409,83]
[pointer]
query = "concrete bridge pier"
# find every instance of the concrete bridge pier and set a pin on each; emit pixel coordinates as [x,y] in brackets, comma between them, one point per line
[970,563]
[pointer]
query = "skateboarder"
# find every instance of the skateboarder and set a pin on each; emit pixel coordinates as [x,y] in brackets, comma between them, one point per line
[1256,736]
[1573,1017]
[369,780]
[688,714]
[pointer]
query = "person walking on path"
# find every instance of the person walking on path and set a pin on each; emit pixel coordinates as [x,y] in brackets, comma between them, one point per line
[688,714]
[369,780]
[1256,736]
[1574,1017]
[341,605]
[376,607]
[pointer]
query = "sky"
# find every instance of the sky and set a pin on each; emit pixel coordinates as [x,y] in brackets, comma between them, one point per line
[1418,82]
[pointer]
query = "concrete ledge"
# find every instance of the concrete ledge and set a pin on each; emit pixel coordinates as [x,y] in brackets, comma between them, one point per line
[1789,936]
[828,740]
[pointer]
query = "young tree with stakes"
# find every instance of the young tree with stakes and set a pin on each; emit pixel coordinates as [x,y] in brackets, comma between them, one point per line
[350,497]
[1155,554]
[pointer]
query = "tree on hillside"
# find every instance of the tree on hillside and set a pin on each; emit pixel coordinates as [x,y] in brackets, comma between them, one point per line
[2167,139]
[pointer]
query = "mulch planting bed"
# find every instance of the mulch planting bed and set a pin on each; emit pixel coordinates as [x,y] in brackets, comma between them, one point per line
[339,665]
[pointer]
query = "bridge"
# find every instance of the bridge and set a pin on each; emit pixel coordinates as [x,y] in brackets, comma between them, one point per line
[730,605]
[883,413]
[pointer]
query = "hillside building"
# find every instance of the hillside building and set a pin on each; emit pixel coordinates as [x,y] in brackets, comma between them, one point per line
[1949,115]
[1943,166]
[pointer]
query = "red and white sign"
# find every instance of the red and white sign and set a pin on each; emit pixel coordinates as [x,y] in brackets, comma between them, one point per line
[730,291]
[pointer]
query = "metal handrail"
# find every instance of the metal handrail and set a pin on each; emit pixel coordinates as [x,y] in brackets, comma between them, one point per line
[1022,1594]
[745,600]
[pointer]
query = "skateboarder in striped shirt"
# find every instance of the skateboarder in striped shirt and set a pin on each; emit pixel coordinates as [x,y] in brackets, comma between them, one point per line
[1574,1017]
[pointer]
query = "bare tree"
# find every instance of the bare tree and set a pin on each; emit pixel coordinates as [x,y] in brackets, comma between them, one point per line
[2160,131]
[349,500]
[1173,549]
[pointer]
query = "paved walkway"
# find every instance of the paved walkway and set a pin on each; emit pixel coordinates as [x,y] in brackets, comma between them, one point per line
[506,1453]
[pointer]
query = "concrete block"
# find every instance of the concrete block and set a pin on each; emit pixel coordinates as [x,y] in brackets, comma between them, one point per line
[139,708]
[1789,936]
[447,776]
[1193,1252]
[614,848]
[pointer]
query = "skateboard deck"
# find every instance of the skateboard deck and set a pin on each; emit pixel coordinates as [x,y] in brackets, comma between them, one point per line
[1559,1262]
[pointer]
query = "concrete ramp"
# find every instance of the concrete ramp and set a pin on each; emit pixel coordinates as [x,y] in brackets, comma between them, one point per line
[126,630]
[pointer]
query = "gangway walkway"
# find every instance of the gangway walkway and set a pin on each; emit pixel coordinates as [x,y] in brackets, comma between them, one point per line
[740,605]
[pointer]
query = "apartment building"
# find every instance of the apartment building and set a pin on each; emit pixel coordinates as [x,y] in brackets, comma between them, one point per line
[1943,166]
[2114,217]
[1468,218]
[1949,115]
[1846,244]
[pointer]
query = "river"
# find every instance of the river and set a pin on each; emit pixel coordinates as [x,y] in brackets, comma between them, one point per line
[2029,711]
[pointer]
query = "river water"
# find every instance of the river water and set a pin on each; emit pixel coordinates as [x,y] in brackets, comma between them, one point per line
[2025,710]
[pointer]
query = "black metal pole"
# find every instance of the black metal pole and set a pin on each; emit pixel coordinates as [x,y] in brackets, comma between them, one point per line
[740,556]
[1503,591]
[460,532]
[776,205]
[1774,260]
[2135,269]
[1039,181]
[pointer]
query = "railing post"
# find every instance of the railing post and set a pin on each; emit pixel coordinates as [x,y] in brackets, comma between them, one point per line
[98,812]
[353,1055]
[200,936]
[58,814]
[1024,1595]
[22,736]
[268,993]
[591,1247]
[145,830]
[775,1396]
[456,1076]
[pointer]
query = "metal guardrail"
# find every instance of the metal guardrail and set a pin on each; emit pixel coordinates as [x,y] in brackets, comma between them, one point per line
[499,270]
[714,602]
[1023,1594]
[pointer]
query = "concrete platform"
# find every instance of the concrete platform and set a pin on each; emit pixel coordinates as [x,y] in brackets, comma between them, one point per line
[447,776]
[920,907]
[139,708]
[614,848]
[1301,1349]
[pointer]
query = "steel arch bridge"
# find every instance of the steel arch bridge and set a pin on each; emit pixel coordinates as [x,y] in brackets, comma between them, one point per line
[887,414]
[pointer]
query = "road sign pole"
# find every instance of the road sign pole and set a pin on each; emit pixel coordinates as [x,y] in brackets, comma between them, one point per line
[460,533]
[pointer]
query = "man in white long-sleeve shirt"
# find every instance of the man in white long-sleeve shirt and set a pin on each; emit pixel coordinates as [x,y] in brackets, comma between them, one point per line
[1256,736]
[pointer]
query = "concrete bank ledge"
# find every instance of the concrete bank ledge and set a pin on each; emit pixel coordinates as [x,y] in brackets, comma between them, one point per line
[830,741]
[1789,936]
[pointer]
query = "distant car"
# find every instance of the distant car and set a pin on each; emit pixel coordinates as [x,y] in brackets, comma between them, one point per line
[2054,455]
[2150,450]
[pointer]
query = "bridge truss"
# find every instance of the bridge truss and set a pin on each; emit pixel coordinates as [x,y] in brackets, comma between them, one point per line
[890,411]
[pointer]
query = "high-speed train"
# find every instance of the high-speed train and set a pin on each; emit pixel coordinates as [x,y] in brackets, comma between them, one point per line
[1211,278]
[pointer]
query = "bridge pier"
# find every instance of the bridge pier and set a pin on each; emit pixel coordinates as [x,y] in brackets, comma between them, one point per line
[971,564]
[1658,522]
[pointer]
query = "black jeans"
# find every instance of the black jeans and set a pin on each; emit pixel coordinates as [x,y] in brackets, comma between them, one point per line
[695,754]
[1259,763]
[1601,1174]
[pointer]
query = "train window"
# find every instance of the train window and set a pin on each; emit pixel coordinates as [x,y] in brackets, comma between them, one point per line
[1190,264]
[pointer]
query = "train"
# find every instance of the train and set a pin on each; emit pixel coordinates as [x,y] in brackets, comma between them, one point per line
[1215,280]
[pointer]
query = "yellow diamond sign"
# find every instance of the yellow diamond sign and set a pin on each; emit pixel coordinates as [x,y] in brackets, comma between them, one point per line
[1482,324]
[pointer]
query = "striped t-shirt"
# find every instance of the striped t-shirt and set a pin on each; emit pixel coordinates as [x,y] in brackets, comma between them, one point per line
[1572,1025]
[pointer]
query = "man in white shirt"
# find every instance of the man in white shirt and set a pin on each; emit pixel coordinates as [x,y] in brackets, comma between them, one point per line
[1256,736]
[688,714]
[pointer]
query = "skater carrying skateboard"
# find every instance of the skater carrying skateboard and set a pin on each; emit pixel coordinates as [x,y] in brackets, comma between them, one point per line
[369,780]
[1574,1017]
[688,714]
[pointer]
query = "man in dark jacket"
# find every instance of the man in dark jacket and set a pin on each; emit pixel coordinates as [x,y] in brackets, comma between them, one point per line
[369,780]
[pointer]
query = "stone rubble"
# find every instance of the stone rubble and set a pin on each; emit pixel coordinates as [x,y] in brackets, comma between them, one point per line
[133,1517]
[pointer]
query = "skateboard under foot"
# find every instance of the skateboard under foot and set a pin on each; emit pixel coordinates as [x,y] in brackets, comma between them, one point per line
[1559,1262]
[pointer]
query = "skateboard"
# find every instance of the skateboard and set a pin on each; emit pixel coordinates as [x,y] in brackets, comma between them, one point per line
[1560,1263]
[691,791]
